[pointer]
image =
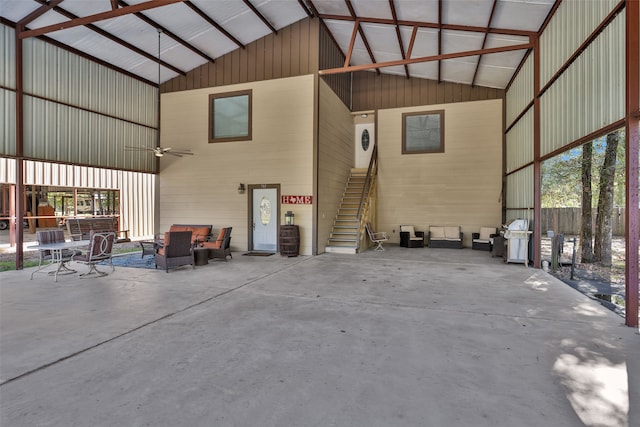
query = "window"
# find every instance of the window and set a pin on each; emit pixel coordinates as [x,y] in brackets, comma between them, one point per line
[230,116]
[423,132]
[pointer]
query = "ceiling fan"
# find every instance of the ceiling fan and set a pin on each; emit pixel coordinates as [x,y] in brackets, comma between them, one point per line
[161,151]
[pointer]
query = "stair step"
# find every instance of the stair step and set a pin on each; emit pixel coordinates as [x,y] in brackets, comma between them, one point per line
[341,249]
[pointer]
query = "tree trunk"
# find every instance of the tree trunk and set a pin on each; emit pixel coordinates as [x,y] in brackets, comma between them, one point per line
[602,248]
[586,226]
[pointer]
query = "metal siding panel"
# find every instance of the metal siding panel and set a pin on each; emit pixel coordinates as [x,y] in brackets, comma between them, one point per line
[589,94]
[8,55]
[519,146]
[91,133]
[520,93]
[8,130]
[7,170]
[520,189]
[572,23]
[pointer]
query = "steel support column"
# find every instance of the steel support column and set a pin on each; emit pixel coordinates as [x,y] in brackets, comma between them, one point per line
[537,167]
[19,193]
[632,122]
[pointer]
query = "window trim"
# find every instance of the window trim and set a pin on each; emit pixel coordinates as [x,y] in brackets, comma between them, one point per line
[212,98]
[422,113]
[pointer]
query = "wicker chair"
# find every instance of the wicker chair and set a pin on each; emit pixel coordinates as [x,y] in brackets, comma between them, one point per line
[100,247]
[483,240]
[409,238]
[175,251]
[220,248]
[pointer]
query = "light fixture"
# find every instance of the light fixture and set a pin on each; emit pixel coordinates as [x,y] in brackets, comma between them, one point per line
[241,188]
[288,218]
[364,116]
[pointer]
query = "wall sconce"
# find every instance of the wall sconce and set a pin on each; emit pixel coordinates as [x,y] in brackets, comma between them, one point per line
[241,188]
[288,218]
[364,116]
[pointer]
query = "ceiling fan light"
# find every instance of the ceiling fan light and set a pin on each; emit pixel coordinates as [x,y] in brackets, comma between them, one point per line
[159,154]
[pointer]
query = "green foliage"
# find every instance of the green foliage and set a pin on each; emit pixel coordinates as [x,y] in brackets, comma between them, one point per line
[11,265]
[562,176]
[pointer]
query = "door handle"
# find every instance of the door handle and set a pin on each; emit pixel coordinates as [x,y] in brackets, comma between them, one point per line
[254,226]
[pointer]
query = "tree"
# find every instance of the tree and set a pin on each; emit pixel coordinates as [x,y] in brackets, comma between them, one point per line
[586,226]
[603,234]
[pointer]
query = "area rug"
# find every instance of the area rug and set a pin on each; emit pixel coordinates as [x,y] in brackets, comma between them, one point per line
[133,260]
[255,253]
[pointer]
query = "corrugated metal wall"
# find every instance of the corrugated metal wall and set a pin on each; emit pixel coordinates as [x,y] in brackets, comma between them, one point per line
[137,190]
[75,110]
[519,194]
[8,54]
[8,120]
[519,148]
[589,94]
[572,23]
[520,93]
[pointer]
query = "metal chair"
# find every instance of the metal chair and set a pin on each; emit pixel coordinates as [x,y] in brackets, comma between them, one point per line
[100,248]
[53,236]
[377,237]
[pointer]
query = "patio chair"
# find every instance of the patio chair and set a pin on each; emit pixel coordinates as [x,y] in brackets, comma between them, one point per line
[483,240]
[53,236]
[221,247]
[100,248]
[376,237]
[409,238]
[175,251]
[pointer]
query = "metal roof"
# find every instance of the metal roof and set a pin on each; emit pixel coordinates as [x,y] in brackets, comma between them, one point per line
[476,42]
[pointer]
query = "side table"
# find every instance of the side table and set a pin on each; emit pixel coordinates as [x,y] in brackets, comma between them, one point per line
[201,256]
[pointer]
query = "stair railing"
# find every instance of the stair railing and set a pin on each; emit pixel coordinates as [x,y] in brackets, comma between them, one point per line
[372,170]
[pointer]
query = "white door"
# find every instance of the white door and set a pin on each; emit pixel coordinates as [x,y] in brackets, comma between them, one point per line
[265,219]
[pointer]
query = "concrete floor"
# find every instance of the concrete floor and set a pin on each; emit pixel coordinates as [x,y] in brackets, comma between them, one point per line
[405,337]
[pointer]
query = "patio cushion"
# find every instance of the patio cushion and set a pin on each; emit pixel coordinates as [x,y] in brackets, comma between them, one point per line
[452,233]
[436,232]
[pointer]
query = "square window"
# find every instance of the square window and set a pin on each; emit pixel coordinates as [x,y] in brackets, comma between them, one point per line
[230,116]
[423,132]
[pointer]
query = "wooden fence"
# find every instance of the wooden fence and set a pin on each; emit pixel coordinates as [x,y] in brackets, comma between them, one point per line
[569,220]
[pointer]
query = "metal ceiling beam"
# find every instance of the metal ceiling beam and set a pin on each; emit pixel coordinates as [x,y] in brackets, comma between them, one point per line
[471,28]
[259,15]
[38,13]
[439,40]
[97,17]
[352,42]
[362,35]
[103,33]
[395,19]
[305,8]
[484,43]
[214,24]
[363,67]
[166,31]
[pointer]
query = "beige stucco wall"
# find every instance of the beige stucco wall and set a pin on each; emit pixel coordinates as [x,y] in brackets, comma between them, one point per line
[202,189]
[461,186]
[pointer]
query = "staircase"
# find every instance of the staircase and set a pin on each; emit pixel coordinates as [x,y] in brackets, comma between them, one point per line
[345,236]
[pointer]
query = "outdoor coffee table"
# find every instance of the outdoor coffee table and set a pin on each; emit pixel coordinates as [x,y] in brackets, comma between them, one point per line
[148,247]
